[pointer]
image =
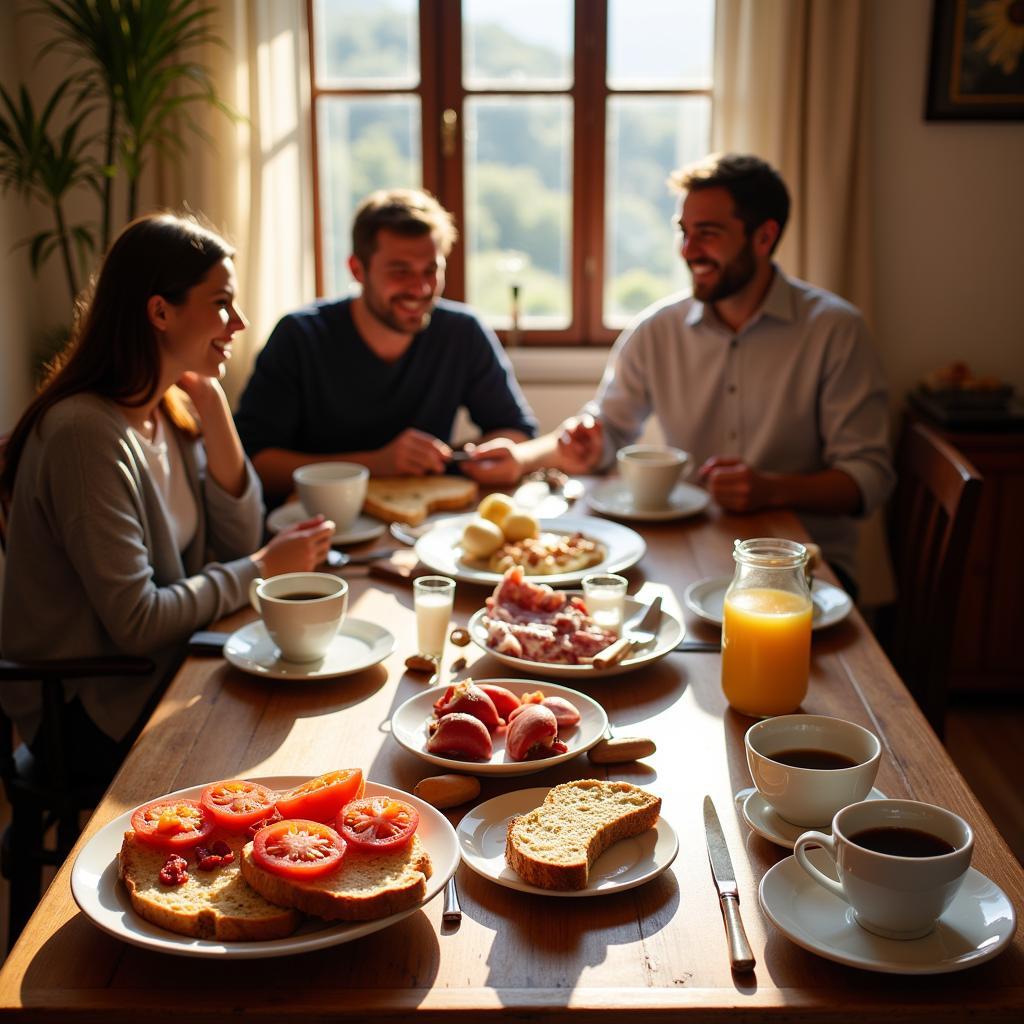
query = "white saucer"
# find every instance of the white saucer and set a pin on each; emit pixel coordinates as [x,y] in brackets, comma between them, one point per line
[624,865]
[705,599]
[977,926]
[768,823]
[612,498]
[364,528]
[358,645]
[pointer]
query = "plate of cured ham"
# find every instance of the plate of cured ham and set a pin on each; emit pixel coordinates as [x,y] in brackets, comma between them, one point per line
[550,633]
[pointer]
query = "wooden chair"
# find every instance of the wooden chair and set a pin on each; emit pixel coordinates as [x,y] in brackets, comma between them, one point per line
[931,518]
[44,797]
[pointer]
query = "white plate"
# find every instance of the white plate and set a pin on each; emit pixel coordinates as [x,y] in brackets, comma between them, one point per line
[613,498]
[358,645]
[624,865]
[705,599]
[441,551]
[409,727]
[670,632]
[95,886]
[364,528]
[770,825]
[977,926]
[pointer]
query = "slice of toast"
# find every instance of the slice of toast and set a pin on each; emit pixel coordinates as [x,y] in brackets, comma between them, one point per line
[410,499]
[367,886]
[215,904]
[554,845]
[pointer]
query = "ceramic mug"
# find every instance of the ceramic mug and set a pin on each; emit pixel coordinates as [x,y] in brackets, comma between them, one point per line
[335,490]
[302,612]
[809,766]
[899,863]
[650,471]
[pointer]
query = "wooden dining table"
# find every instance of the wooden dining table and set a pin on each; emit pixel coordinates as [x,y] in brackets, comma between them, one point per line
[654,952]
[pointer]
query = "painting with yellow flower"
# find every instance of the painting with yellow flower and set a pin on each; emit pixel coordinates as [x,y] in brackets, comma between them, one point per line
[977,64]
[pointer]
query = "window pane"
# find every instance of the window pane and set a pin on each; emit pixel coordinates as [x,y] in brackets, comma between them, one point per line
[521,45]
[666,44]
[647,139]
[361,44]
[519,208]
[364,144]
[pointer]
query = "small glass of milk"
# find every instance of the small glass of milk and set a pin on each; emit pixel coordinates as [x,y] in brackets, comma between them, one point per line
[433,598]
[604,594]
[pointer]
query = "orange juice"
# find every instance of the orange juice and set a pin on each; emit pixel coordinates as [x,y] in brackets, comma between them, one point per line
[766,650]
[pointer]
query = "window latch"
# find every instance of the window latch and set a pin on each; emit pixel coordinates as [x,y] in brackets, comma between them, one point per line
[449,126]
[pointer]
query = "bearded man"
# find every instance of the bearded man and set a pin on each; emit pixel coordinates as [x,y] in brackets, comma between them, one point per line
[378,379]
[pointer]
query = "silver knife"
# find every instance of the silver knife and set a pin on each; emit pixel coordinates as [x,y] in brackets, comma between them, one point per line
[741,957]
[336,559]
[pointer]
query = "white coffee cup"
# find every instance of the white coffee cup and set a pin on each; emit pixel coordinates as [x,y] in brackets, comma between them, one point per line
[335,490]
[811,795]
[650,471]
[302,611]
[897,896]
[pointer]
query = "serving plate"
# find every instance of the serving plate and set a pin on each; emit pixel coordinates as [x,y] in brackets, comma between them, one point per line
[441,550]
[670,632]
[624,865]
[409,728]
[705,599]
[101,897]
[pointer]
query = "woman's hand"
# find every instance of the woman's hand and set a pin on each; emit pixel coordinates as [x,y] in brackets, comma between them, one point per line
[494,462]
[206,394]
[298,548]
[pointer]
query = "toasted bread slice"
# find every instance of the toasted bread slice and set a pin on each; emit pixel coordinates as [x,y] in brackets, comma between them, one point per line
[554,845]
[215,904]
[367,886]
[409,499]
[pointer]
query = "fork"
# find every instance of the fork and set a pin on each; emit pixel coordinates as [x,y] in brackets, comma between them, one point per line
[641,629]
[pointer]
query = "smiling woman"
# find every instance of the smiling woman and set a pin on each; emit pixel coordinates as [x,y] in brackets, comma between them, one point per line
[135,517]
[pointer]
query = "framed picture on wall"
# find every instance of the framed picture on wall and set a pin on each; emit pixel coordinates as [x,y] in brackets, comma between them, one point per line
[977,61]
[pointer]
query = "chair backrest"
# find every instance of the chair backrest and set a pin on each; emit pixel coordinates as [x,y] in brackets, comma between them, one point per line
[931,518]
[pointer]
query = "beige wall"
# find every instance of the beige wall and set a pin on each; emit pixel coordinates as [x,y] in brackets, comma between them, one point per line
[948,209]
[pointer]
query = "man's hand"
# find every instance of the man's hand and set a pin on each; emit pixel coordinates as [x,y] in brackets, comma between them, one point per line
[734,485]
[412,453]
[298,548]
[580,444]
[494,462]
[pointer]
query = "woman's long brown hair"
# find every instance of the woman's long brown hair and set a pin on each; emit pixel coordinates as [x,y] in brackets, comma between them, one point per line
[113,349]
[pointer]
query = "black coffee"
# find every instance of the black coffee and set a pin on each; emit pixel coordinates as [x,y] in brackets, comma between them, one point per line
[902,842]
[301,595]
[811,758]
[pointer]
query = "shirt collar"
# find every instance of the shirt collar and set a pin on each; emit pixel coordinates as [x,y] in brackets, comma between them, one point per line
[779,303]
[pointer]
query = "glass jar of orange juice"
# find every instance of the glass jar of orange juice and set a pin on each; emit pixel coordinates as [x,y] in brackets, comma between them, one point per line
[766,628]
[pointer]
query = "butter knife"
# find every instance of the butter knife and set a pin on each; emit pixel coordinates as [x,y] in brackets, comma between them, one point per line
[742,959]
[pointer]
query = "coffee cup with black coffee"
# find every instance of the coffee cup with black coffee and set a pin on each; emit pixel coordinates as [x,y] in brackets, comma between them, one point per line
[809,766]
[302,612]
[899,863]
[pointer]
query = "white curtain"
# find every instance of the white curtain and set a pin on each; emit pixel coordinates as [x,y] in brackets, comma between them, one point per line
[255,181]
[791,86]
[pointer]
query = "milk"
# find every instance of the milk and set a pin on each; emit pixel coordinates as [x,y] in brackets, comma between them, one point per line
[433,613]
[606,608]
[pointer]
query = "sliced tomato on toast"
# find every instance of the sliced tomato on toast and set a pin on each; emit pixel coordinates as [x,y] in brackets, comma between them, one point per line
[321,799]
[235,804]
[378,824]
[298,850]
[172,824]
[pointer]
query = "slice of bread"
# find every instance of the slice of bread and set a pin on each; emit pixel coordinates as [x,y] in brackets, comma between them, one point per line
[409,499]
[366,886]
[555,845]
[215,904]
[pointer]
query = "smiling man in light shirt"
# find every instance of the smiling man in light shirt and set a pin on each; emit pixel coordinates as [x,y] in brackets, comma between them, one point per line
[771,384]
[378,379]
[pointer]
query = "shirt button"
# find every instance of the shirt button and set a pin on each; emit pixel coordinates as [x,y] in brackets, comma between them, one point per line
[732,435]
[732,389]
[733,343]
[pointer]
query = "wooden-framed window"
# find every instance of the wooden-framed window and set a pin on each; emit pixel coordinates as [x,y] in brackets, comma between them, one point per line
[547,127]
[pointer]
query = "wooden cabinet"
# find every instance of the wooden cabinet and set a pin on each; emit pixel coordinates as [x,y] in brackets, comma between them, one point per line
[988,648]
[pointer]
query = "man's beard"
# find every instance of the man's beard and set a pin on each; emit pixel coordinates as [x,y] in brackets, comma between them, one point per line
[734,276]
[385,314]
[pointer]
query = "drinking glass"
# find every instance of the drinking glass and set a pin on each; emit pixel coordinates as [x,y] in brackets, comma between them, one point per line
[433,599]
[604,594]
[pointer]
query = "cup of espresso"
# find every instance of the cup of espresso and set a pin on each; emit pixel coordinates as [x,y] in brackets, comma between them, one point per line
[302,611]
[650,471]
[335,490]
[809,766]
[899,863]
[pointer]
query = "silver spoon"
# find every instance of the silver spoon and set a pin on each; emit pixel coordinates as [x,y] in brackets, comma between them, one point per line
[451,913]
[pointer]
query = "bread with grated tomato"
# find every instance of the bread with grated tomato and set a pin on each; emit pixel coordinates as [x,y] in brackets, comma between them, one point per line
[216,904]
[365,887]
